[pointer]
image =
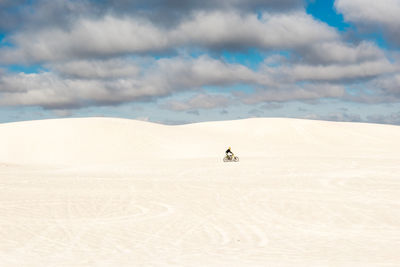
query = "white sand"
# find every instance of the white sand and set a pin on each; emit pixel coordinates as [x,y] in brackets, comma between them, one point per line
[114,192]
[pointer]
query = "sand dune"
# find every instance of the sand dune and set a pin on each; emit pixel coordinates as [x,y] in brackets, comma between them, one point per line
[117,192]
[103,140]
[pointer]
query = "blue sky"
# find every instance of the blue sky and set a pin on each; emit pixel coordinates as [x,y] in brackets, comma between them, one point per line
[325,11]
[177,62]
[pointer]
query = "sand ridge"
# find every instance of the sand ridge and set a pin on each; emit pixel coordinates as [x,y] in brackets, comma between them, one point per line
[111,140]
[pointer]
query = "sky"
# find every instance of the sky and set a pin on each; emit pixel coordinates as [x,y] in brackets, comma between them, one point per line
[176,62]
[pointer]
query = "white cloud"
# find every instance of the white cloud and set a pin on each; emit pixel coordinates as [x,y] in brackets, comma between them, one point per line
[271,31]
[52,91]
[86,38]
[390,84]
[382,89]
[97,69]
[372,14]
[82,83]
[338,72]
[111,36]
[200,101]
[187,72]
[293,92]
[384,12]
[342,53]
[386,89]
[90,84]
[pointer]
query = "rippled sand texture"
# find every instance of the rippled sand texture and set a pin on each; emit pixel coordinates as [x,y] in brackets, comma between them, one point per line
[112,192]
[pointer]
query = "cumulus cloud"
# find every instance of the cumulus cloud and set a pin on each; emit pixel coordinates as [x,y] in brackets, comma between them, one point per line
[170,12]
[331,61]
[15,14]
[205,4]
[200,101]
[371,15]
[80,83]
[306,92]
[97,69]
[111,36]
[338,72]
[85,83]
[384,11]
[187,72]
[382,89]
[49,91]
[87,38]
[271,31]
[389,84]
[338,52]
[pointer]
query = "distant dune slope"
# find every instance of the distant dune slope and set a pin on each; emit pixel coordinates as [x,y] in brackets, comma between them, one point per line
[109,140]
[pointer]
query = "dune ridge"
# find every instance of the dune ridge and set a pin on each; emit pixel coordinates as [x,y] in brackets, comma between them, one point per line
[108,140]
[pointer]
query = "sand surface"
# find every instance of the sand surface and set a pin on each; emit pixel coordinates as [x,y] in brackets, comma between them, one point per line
[115,192]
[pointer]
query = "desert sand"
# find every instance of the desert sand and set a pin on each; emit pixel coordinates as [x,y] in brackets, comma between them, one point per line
[118,192]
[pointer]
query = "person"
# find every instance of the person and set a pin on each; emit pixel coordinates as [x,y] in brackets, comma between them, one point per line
[229,153]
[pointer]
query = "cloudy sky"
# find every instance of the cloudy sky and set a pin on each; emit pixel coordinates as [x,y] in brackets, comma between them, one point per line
[173,61]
